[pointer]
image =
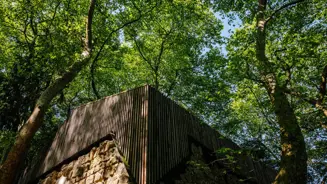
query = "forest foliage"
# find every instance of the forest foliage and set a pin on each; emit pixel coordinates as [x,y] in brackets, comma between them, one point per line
[237,84]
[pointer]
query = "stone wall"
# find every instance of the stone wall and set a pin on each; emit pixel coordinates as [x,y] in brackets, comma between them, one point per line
[105,164]
[102,165]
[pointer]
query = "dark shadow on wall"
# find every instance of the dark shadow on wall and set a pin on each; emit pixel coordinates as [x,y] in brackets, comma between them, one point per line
[201,167]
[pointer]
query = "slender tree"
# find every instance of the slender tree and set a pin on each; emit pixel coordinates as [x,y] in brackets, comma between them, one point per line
[25,135]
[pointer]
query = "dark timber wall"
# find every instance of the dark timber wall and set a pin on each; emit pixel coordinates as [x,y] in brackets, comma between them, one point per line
[169,132]
[152,130]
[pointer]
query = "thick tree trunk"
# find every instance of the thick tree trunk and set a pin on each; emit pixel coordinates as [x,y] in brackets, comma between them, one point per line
[11,165]
[25,135]
[293,167]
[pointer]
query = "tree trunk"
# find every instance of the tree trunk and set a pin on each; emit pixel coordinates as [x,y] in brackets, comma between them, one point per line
[293,167]
[11,165]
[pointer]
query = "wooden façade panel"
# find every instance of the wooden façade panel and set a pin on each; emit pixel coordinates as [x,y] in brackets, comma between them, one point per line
[153,133]
[123,114]
[170,128]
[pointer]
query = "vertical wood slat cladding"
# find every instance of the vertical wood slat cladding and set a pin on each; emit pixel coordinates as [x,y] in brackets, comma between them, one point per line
[170,127]
[153,133]
[168,144]
[124,114]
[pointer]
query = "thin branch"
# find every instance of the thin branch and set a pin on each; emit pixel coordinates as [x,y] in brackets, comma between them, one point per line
[311,101]
[300,95]
[287,5]
[54,14]
[30,8]
[322,92]
[162,46]
[261,107]
[160,54]
[141,53]
[173,83]
[322,86]
[94,89]
[88,37]
[266,148]
[250,77]
[25,30]
[96,58]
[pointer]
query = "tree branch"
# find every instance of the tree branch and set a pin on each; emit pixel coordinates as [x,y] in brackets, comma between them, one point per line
[173,83]
[322,86]
[96,58]
[162,47]
[311,101]
[94,89]
[269,150]
[299,95]
[287,5]
[141,53]
[261,107]
[250,76]
[88,37]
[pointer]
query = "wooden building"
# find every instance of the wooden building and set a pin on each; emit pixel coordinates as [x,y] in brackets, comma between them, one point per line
[154,134]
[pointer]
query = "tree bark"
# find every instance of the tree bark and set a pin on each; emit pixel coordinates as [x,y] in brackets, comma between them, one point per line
[10,166]
[293,167]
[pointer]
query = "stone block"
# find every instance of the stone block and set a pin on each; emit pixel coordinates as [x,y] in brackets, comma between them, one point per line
[112,180]
[112,161]
[90,171]
[86,159]
[78,179]
[106,157]
[106,173]
[61,180]
[92,152]
[102,148]
[96,160]
[109,145]
[66,170]
[86,166]
[89,179]
[81,181]
[96,153]
[110,170]
[123,178]
[98,176]
[121,169]
[101,165]
[46,181]
[77,171]
[68,182]
[54,175]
